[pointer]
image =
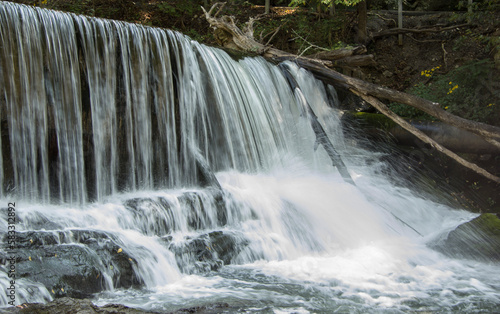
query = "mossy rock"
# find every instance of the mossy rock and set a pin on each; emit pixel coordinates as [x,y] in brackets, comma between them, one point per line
[73,263]
[477,239]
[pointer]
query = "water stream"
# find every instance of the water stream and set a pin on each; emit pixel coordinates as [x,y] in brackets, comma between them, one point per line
[197,173]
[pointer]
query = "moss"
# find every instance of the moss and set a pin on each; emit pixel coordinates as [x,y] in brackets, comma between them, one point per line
[376,120]
[489,224]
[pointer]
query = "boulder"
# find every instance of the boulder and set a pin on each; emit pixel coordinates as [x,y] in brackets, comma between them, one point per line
[207,252]
[477,239]
[73,263]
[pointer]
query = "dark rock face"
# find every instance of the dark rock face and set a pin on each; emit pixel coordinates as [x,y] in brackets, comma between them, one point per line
[207,252]
[162,220]
[477,239]
[73,263]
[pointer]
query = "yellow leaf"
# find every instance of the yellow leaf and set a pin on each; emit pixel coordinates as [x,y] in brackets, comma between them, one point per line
[31,240]
[62,289]
[119,250]
[53,291]
[29,258]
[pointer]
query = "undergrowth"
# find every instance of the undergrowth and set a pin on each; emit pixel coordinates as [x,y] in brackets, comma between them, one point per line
[471,91]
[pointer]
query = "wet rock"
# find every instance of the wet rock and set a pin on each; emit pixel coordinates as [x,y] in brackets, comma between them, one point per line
[84,306]
[73,263]
[159,211]
[203,210]
[477,239]
[207,252]
[69,305]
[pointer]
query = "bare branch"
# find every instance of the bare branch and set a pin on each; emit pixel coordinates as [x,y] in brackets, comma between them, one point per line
[311,45]
[274,34]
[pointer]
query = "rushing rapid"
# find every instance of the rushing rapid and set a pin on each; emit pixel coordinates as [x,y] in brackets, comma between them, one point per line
[152,171]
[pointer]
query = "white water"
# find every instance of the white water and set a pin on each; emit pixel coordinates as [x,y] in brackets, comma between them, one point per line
[161,107]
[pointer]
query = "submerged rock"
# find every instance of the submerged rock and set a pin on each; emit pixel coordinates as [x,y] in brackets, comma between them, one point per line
[477,239]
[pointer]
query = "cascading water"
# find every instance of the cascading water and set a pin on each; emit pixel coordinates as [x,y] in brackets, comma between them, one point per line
[149,170]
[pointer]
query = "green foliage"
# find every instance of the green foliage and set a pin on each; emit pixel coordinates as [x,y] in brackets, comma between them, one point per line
[327,3]
[468,91]
[486,5]
[179,8]
[300,29]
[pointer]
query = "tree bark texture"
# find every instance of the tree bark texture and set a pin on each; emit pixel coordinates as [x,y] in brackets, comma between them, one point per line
[362,35]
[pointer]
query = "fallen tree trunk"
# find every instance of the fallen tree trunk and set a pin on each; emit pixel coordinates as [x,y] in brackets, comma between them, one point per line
[231,36]
[421,135]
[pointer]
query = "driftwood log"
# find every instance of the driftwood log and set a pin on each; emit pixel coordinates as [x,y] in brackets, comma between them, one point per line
[231,36]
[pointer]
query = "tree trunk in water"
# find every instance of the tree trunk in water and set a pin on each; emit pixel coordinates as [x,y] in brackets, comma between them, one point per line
[362,36]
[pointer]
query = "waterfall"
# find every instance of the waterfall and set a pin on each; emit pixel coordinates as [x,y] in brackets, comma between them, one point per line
[95,107]
[150,170]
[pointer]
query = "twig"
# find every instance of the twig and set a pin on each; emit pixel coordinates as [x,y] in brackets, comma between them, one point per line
[444,55]
[222,5]
[385,19]
[274,34]
[304,51]
[312,45]
[307,42]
